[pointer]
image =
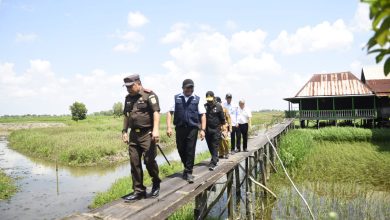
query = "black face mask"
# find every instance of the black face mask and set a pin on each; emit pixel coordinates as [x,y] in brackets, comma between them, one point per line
[210,102]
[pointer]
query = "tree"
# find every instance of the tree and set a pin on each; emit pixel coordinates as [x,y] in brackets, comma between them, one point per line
[118,109]
[78,111]
[380,41]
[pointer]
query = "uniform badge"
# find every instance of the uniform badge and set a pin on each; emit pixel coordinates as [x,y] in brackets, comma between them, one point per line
[153,100]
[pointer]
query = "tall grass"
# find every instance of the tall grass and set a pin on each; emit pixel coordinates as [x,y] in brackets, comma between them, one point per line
[123,186]
[7,187]
[94,141]
[344,172]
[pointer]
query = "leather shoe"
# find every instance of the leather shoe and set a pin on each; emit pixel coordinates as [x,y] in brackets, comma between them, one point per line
[135,196]
[155,190]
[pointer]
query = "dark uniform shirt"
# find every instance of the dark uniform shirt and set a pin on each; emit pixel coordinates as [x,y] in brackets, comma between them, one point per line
[214,116]
[140,109]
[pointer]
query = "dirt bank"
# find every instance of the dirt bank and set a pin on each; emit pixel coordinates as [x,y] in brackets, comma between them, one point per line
[6,128]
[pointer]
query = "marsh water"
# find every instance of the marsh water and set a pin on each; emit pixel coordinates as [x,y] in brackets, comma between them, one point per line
[44,193]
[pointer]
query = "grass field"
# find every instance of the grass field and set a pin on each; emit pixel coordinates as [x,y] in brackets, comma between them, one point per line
[342,171]
[94,141]
[7,187]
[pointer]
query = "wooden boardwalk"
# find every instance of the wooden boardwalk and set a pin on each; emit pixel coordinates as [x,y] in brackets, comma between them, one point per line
[176,192]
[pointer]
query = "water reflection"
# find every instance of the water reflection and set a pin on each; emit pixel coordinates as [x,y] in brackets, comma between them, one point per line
[47,194]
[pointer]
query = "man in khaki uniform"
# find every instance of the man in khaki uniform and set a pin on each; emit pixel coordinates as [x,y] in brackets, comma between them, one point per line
[142,116]
[223,150]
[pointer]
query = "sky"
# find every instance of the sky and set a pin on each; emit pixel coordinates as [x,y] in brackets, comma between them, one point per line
[53,53]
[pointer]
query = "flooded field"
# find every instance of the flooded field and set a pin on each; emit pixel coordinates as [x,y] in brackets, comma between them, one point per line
[44,193]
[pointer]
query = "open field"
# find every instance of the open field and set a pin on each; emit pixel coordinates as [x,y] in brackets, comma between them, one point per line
[93,141]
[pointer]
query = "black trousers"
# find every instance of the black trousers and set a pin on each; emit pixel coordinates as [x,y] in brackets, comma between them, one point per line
[141,143]
[235,137]
[186,138]
[213,138]
[244,131]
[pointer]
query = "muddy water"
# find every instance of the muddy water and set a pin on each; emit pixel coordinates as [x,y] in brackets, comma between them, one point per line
[47,194]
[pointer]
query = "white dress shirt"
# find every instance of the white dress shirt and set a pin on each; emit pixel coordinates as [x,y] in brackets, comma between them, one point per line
[243,115]
[233,112]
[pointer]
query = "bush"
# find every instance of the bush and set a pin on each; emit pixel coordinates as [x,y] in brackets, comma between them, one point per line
[78,111]
[117,109]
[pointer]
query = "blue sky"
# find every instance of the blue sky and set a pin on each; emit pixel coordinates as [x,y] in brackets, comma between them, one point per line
[53,53]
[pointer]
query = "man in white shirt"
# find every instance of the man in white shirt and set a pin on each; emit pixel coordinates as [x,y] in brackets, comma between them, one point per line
[235,134]
[189,117]
[244,116]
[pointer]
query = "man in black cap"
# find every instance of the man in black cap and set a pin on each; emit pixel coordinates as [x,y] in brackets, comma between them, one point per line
[189,117]
[215,119]
[142,116]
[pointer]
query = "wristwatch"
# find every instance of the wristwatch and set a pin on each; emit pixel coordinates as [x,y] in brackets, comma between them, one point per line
[124,131]
[203,130]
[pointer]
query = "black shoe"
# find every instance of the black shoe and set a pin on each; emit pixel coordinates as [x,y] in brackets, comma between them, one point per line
[212,166]
[246,150]
[220,156]
[190,178]
[226,156]
[135,196]
[155,190]
[185,175]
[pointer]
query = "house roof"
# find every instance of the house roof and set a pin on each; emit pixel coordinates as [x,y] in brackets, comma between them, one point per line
[375,79]
[373,72]
[333,85]
[381,87]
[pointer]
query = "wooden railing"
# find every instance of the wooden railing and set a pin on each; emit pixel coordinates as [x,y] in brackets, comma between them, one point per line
[336,114]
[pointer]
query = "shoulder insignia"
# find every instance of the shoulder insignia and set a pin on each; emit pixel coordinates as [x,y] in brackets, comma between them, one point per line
[147,90]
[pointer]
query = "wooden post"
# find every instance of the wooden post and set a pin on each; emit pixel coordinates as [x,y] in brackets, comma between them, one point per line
[200,204]
[230,194]
[256,164]
[262,170]
[238,190]
[267,163]
[248,190]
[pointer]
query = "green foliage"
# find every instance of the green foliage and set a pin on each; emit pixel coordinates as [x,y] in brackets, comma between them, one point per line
[379,42]
[117,109]
[294,147]
[123,185]
[78,111]
[7,187]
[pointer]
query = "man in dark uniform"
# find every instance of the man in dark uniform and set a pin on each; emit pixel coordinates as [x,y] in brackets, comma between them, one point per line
[215,120]
[142,116]
[188,118]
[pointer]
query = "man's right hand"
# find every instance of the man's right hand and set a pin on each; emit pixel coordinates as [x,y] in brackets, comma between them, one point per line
[125,138]
[169,132]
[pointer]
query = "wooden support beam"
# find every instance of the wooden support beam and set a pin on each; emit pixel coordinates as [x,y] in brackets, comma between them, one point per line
[200,204]
[229,194]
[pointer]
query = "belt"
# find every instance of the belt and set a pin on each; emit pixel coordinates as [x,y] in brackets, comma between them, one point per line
[141,130]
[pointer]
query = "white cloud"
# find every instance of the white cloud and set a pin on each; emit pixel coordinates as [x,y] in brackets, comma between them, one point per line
[136,19]
[25,38]
[231,25]
[207,58]
[132,42]
[361,20]
[324,36]
[177,33]
[248,42]
[39,90]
